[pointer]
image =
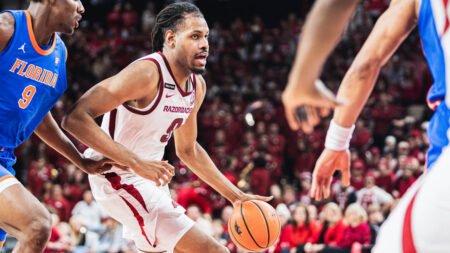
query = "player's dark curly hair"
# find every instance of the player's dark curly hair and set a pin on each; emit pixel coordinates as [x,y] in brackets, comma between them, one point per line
[169,19]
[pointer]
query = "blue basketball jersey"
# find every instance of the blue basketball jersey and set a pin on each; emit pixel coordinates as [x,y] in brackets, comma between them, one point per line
[32,79]
[434,32]
[434,25]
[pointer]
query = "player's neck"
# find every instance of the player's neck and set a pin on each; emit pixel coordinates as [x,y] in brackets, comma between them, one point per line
[40,22]
[180,72]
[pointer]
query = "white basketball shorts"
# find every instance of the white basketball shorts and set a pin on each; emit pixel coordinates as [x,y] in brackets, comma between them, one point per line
[149,215]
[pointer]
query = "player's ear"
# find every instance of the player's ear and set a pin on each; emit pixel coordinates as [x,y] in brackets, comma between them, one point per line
[170,38]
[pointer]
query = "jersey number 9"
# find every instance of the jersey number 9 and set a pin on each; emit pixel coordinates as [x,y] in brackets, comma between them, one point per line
[27,96]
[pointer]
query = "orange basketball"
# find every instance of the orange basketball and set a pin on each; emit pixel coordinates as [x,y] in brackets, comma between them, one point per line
[254,226]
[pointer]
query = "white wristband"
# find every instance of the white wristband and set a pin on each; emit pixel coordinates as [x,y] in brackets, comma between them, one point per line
[338,137]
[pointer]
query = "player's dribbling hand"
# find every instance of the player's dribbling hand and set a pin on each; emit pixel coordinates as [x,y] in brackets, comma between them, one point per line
[160,172]
[329,162]
[304,105]
[246,197]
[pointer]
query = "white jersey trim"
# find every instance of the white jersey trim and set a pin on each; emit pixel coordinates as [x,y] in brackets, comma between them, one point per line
[152,106]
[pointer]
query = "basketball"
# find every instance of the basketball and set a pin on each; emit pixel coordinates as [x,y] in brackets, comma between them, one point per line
[254,225]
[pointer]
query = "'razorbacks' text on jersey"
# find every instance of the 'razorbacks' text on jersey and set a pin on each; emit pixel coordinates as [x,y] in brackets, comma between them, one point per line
[147,131]
[32,80]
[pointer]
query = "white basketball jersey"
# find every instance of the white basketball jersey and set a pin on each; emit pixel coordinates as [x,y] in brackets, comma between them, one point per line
[147,131]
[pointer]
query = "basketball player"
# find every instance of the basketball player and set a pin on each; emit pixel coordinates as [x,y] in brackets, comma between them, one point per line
[143,105]
[32,79]
[321,31]
[417,224]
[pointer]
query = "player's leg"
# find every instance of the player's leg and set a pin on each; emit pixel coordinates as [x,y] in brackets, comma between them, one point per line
[389,238]
[430,211]
[197,241]
[419,221]
[173,230]
[22,216]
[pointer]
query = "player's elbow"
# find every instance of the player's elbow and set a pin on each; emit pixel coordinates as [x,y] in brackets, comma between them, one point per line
[70,120]
[67,122]
[185,152]
[365,68]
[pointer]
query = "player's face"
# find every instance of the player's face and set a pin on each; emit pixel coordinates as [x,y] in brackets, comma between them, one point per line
[67,15]
[192,43]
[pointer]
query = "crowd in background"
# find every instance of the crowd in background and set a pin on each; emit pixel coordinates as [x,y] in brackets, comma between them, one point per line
[247,70]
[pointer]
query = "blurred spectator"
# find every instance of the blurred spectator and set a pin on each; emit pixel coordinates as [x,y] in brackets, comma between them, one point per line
[305,184]
[372,194]
[331,230]
[282,244]
[275,191]
[356,235]
[343,196]
[289,197]
[406,176]
[75,186]
[312,212]
[83,239]
[357,230]
[58,242]
[301,231]
[58,202]
[111,240]
[148,18]
[218,232]
[260,177]
[376,218]
[357,173]
[385,179]
[129,16]
[389,144]
[194,195]
[204,224]
[114,17]
[362,136]
[89,211]
[38,173]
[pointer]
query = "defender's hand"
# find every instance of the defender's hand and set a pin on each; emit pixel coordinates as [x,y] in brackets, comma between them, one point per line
[160,172]
[305,104]
[94,167]
[329,162]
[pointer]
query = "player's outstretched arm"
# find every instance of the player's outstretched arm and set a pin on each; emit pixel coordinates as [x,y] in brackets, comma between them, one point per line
[389,32]
[321,32]
[198,160]
[6,29]
[138,81]
[49,132]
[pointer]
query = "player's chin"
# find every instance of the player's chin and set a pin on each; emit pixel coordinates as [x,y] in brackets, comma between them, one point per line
[198,70]
[68,30]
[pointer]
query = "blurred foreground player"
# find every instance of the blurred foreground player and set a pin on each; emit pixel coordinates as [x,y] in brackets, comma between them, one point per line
[143,105]
[418,222]
[320,34]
